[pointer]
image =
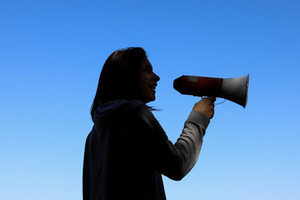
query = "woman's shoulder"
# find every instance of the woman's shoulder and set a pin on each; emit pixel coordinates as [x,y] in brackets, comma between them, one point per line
[143,114]
[140,109]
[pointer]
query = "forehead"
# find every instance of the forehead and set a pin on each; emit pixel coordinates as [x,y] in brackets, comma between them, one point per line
[146,63]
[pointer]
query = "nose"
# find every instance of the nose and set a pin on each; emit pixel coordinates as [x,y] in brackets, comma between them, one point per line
[156,77]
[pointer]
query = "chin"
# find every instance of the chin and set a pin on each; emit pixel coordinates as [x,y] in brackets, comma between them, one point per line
[149,99]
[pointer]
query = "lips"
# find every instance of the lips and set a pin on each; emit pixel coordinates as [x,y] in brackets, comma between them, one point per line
[153,87]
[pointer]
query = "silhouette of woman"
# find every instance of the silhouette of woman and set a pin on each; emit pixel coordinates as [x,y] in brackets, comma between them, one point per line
[127,151]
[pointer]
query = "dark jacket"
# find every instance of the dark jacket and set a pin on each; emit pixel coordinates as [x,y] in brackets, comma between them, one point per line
[127,151]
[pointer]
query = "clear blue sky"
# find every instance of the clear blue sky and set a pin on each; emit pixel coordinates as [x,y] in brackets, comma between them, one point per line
[51,54]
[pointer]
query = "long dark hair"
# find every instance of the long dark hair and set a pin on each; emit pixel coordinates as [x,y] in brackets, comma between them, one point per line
[119,76]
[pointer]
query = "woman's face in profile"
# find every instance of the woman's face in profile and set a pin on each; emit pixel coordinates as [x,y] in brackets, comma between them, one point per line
[148,82]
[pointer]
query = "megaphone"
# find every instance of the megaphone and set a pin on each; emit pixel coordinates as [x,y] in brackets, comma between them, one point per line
[233,89]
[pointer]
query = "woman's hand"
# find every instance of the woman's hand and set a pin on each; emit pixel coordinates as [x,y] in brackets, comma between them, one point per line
[206,106]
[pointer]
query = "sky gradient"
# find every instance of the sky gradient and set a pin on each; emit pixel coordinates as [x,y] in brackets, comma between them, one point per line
[51,54]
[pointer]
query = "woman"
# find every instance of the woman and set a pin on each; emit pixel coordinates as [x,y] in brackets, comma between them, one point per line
[127,150]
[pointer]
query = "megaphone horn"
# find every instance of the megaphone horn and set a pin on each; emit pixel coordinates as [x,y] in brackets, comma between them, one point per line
[233,89]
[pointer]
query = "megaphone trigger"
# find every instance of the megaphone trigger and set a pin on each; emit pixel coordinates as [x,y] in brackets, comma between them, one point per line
[216,103]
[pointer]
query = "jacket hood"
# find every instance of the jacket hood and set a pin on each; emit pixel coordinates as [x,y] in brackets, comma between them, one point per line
[114,109]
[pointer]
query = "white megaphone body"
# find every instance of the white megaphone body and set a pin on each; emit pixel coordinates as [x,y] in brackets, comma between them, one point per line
[233,89]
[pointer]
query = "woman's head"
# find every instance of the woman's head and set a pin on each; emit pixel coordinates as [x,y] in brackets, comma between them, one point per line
[125,75]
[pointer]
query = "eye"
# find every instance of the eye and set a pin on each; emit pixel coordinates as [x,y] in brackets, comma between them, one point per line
[148,69]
